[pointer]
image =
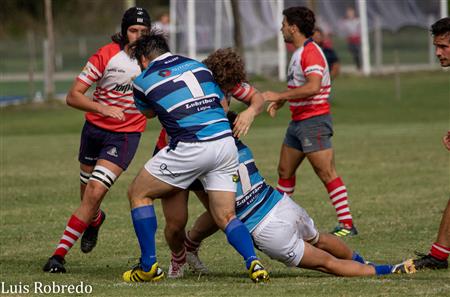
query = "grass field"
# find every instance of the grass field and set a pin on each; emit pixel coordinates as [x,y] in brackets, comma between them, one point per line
[388,151]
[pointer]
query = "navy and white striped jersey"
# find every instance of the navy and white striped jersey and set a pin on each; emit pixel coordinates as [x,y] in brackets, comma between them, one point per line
[183,94]
[254,198]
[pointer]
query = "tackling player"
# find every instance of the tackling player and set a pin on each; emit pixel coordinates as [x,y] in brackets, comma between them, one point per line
[440,250]
[228,71]
[309,133]
[110,134]
[281,228]
[190,106]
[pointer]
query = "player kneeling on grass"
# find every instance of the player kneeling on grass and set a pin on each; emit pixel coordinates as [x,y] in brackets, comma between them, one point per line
[281,228]
[190,106]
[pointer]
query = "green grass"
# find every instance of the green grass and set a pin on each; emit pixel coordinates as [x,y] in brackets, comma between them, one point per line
[388,152]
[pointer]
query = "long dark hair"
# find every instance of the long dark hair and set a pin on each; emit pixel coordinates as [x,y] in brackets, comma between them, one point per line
[119,39]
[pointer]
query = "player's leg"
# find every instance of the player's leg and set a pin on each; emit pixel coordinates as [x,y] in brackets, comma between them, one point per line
[218,182]
[204,226]
[175,211]
[117,152]
[291,156]
[85,174]
[336,247]
[221,204]
[167,173]
[290,160]
[103,176]
[98,176]
[323,164]
[141,193]
[317,133]
[317,259]
[437,257]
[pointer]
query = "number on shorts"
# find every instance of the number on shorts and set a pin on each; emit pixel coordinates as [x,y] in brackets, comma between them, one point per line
[244,178]
[191,82]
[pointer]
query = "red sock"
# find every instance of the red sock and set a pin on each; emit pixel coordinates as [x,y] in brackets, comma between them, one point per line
[338,195]
[75,227]
[191,246]
[97,220]
[179,258]
[286,185]
[439,251]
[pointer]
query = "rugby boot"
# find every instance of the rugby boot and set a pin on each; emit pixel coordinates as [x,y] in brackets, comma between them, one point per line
[342,231]
[55,264]
[195,264]
[257,272]
[424,262]
[90,236]
[136,274]
[176,270]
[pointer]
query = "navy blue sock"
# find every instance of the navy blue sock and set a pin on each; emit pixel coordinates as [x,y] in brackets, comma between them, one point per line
[358,258]
[145,224]
[239,237]
[383,269]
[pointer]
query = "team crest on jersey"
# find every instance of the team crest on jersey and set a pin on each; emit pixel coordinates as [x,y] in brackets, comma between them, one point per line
[164,72]
[113,152]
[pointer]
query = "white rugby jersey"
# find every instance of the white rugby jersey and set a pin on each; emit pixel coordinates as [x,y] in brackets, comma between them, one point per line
[113,71]
[309,60]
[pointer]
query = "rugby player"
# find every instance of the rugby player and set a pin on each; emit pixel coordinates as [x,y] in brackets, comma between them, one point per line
[309,133]
[437,257]
[190,107]
[110,134]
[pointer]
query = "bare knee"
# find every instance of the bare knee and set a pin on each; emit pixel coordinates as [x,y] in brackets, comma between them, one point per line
[174,229]
[224,219]
[94,193]
[284,172]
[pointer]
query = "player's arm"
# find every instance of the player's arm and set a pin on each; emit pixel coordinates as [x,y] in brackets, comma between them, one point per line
[335,70]
[76,98]
[245,119]
[274,106]
[224,104]
[310,88]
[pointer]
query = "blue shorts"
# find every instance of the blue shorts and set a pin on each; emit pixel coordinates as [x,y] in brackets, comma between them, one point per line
[310,135]
[116,147]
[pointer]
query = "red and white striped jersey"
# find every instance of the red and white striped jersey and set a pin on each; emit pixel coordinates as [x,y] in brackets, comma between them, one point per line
[242,92]
[113,72]
[309,60]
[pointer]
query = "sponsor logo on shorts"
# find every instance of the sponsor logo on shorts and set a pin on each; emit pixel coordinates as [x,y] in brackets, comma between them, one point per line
[90,158]
[291,254]
[166,172]
[307,142]
[235,178]
[113,152]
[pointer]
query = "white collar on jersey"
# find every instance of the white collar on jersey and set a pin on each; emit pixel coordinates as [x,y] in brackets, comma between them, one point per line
[162,57]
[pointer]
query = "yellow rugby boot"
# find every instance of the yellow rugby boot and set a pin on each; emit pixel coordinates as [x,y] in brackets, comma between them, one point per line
[138,275]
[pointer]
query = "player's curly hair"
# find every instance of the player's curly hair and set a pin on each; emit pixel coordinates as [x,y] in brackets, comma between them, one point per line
[227,67]
[302,17]
[441,27]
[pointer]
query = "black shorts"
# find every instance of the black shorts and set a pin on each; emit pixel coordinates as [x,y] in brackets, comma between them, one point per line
[310,135]
[116,147]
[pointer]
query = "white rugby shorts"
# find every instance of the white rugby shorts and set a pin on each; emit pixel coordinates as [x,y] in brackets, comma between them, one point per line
[214,163]
[281,234]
